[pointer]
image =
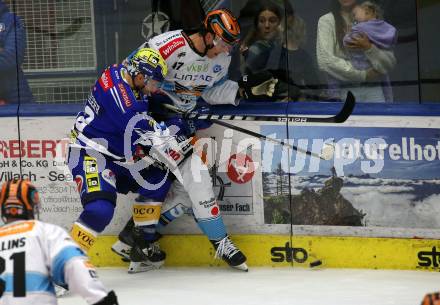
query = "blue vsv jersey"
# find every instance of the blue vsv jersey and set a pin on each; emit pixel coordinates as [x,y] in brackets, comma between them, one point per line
[110,110]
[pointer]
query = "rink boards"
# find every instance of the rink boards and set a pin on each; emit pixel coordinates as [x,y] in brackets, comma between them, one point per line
[400,229]
[281,251]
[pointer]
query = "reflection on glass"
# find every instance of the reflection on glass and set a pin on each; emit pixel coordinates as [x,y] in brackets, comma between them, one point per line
[276,44]
[294,67]
[68,42]
[365,81]
[370,28]
[266,32]
[13,85]
[61,57]
[429,48]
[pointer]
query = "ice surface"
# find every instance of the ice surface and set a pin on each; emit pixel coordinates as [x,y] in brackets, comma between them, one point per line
[266,286]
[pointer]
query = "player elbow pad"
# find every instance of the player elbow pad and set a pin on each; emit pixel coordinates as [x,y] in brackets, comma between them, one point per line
[110,299]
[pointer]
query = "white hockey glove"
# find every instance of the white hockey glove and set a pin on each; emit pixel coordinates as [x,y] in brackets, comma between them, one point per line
[157,137]
[258,85]
[162,146]
[173,153]
[184,102]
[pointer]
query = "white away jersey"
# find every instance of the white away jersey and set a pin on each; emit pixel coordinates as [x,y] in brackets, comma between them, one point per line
[33,255]
[190,75]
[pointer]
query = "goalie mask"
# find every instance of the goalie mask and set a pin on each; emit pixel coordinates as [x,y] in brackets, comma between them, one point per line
[19,199]
[149,63]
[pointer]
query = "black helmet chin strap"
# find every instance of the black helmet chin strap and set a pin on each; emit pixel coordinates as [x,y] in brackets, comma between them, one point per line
[137,91]
[207,47]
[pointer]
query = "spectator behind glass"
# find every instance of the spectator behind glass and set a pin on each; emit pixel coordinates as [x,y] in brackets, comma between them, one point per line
[333,59]
[368,21]
[13,85]
[288,61]
[292,65]
[257,44]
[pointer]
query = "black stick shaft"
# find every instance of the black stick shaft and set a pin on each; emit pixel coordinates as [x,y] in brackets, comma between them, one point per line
[251,133]
[340,117]
[263,137]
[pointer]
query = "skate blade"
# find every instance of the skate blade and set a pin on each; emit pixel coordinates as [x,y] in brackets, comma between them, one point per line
[123,251]
[137,267]
[241,267]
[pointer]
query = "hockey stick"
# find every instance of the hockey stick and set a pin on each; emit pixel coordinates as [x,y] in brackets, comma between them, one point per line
[327,151]
[340,117]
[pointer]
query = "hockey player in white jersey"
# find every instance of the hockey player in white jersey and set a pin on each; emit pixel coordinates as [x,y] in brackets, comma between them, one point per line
[198,66]
[35,255]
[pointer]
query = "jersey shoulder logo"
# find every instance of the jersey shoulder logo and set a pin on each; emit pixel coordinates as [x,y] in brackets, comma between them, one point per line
[106,80]
[169,48]
[18,228]
[217,68]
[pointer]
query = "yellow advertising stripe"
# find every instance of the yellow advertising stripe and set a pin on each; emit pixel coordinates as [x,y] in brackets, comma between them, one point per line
[277,251]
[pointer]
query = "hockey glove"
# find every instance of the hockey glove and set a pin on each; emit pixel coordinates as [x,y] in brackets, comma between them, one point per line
[258,84]
[164,148]
[184,102]
[159,136]
[110,299]
[431,299]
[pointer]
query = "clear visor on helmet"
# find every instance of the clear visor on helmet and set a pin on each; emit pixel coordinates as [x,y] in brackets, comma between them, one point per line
[151,85]
[223,45]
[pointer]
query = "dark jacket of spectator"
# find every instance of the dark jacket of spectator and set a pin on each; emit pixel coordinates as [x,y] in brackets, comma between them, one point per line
[295,70]
[285,58]
[13,85]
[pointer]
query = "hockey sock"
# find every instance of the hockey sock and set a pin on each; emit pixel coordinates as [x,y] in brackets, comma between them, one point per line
[84,236]
[170,215]
[96,215]
[125,235]
[213,228]
[146,216]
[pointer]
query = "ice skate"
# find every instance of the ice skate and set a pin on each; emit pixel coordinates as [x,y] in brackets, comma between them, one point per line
[148,258]
[122,249]
[226,250]
[144,255]
[125,241]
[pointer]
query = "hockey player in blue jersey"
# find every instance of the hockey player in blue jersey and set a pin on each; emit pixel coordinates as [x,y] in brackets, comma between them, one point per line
[198,66]
[103,139]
